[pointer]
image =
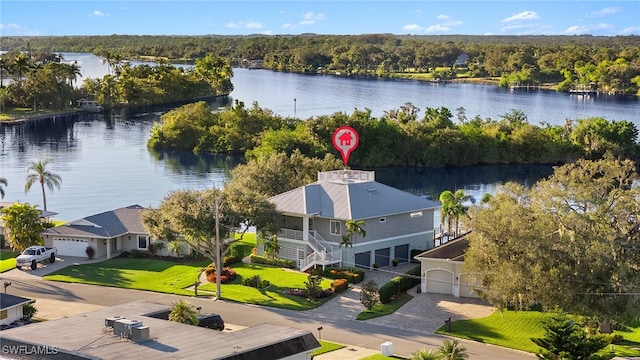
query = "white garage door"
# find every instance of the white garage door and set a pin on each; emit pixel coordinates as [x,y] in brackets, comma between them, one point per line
[71,247]
[439,282]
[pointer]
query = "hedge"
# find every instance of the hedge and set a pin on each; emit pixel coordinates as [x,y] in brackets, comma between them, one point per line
[352,275]
[399,284]
[257,259]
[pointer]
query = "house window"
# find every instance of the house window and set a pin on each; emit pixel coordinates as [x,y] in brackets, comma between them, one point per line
[3,314]
[382,220]
[416,214]
[335,227]
[142,241]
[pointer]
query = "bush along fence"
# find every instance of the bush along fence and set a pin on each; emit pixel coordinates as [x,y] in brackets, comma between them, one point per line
[399,284]
[257,259]
[352,275]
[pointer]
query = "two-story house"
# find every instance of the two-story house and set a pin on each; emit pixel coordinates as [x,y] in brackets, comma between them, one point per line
[315,216]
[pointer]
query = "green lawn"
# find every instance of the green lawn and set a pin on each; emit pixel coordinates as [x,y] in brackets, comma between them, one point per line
[515,329]
[130,273]
[385,309]
[174,278]
[326,348]
[280,279]
[8,260]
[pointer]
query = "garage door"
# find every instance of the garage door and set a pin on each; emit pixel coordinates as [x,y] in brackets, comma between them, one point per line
[71,247]
[439,282]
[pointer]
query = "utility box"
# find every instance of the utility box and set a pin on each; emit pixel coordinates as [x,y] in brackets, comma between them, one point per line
[386,348]
[123,327]
[140,334]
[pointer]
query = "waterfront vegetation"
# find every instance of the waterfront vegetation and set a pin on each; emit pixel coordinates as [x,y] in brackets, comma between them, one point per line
[600,63]
[400,137]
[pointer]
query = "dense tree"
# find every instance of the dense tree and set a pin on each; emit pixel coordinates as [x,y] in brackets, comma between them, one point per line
[565,339]
[191,215]
[452,209]
[369,296]
[571,241]
[38,173]
[22,225]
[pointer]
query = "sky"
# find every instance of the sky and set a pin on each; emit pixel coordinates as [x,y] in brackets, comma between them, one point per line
[239,17]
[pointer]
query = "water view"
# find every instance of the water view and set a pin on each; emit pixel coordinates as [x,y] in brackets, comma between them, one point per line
[104,162]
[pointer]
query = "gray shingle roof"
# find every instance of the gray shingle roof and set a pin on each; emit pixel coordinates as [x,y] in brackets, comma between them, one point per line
[347,200]
[107,224]
[8,301]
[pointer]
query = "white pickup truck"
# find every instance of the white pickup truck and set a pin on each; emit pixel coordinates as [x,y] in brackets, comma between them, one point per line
[32,255]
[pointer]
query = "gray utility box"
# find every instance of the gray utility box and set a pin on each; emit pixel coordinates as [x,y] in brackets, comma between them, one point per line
[108,322]
[123,327]
[140,333]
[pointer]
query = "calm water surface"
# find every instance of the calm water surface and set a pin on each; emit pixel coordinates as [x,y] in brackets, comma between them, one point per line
[104,162]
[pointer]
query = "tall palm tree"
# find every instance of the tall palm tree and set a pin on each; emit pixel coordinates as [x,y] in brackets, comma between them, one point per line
[452,208]
[3,182]
[22,64]
[38,173]
[354,227]
[183,312]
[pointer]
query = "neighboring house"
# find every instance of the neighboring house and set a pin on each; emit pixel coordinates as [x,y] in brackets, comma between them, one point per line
[11,308]
[108,233]
[314,218]
[126,331]
[442,270]
[462,60]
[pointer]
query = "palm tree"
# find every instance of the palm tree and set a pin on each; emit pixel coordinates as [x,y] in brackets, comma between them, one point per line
[5,67]
[452,208]
[38,173]
[3,182]
[425,354]
[22,63]
[354,227]
[183,312]
[452,350]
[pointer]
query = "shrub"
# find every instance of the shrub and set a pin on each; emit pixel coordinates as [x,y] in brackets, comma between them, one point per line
[155,246]
[399,284]
[139,253]
[230,260]
[227,275]
[257,259]
[312,285]
[28,310]
[325,293]
[352,275]
[339,285]
[252,281]
[264,283]
[296,292]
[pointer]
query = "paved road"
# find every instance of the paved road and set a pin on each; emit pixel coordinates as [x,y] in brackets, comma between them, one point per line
[337,323]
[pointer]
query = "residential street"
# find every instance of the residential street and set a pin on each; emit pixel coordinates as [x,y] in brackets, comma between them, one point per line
[408,332]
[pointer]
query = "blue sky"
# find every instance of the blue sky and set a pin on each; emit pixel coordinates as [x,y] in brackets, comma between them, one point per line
[145,17]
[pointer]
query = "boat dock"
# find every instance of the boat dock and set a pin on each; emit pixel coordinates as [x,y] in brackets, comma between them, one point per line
[51,116]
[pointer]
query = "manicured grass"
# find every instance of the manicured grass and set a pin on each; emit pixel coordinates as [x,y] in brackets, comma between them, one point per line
[515,329]
[174,278]
[130,273]
[280,279]
[8,260]
[326,348]
[385,309]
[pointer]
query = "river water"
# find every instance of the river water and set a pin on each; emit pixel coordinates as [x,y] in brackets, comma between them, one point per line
[104,162]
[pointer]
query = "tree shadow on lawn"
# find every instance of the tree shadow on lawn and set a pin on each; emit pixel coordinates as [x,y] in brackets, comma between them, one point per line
[89,274]
[469,330]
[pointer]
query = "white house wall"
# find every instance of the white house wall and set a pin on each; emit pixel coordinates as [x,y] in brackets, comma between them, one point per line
[13,314]
[442,276]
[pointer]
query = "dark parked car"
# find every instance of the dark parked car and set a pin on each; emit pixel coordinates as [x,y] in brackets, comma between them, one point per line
[211,321]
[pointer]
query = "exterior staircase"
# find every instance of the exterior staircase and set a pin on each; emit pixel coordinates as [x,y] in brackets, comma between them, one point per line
[323,252]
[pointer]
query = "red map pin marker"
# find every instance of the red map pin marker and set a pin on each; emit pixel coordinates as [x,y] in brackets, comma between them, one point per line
[345,140]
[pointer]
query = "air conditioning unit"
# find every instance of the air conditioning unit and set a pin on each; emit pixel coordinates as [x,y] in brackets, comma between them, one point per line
[108,322]
[123,327]
[140,333]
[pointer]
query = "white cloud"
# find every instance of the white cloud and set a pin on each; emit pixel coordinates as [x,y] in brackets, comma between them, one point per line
[412,28]
[254,25]
[267,32]
[631,30]
[16,30]
[586,29]
[443,17]
[310,15]
[453,23]
[234,25]
[604,12]
[525,15]
[98,13]
[438,28]
[289,26]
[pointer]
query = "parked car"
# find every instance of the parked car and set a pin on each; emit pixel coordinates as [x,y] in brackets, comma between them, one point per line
[211,321]
[32,255]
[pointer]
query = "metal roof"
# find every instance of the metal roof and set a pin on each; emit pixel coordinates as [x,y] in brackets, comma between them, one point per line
[348,198]
[105,225]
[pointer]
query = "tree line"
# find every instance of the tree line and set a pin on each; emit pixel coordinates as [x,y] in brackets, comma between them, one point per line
[44,80]
[400,137]
[607,64]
